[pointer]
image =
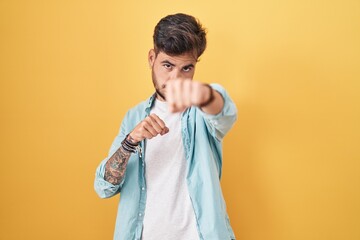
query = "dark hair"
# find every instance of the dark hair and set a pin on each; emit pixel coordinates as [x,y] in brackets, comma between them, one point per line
[179,33]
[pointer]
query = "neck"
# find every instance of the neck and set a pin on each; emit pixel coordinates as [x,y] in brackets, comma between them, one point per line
[160,96]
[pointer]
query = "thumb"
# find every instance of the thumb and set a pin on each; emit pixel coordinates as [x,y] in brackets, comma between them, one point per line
[164,131]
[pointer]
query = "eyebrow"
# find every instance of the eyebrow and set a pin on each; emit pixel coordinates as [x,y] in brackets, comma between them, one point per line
[189,65]
[166,61]
[186,66]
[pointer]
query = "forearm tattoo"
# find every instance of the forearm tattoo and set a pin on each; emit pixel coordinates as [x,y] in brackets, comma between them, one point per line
[116,166]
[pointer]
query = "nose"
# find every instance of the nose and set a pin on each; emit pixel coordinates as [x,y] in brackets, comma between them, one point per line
[175,74]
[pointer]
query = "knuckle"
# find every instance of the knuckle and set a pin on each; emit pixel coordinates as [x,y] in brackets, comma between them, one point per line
[149,119]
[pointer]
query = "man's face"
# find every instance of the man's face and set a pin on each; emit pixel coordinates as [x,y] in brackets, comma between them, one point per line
[165,67]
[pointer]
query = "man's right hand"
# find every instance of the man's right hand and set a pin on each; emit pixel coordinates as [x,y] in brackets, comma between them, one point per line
[148,128]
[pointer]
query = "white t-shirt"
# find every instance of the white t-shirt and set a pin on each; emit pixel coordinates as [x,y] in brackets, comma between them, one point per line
[168,213]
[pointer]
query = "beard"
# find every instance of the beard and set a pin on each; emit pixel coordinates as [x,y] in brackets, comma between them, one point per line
[158,89]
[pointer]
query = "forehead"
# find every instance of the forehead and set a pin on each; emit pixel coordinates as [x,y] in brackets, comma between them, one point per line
[186,58]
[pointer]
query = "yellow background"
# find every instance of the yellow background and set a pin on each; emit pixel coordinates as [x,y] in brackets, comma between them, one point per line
[70,69]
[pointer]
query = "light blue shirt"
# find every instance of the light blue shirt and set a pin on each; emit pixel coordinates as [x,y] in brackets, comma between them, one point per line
[202,136]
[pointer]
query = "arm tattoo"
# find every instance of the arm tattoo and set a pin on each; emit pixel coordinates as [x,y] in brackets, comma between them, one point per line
[115,167]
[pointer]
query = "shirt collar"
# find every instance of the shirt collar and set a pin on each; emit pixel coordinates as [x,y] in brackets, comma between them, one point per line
[150,103]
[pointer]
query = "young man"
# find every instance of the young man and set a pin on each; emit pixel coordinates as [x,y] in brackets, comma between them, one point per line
[166,160]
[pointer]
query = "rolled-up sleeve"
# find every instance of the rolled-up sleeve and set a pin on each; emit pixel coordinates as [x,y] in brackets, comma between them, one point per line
[102,187]
[221,123]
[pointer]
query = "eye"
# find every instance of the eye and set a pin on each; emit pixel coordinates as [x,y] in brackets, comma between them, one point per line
[167,66]
[187,69]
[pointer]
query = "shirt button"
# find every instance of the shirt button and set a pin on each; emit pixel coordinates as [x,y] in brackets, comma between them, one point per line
[140,214]
[143,188]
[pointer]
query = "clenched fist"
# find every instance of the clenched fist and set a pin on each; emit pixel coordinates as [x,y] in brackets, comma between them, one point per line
[148,128]
[181,94]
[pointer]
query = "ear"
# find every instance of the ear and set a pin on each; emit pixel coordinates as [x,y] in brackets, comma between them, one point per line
[151,57]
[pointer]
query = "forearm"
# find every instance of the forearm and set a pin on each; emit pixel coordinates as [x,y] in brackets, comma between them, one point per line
[219,123]
[216,105]
[116,166]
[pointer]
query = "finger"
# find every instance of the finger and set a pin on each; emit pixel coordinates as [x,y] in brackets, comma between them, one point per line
[152,121]
[147,126]
[161,123]
[178,94]
[196,94]
[146,134]
[187,87]
[170,95]
[165,131]
[158,120]
[173,102]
